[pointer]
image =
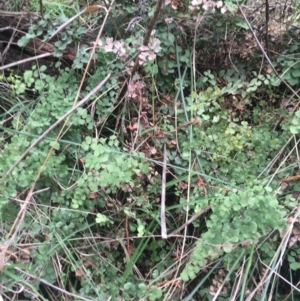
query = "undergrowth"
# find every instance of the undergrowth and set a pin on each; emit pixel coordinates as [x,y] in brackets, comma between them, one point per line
[203,128]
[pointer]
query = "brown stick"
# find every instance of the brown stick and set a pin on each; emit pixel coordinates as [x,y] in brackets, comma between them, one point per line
[202,211]
[163,226]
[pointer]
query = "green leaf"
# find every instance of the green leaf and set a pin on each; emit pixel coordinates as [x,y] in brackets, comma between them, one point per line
[39,85]
[21,88]
[184,275]
[240,22]
[142,286]
[171,38]
[24,41]
[216,119]
[155,293]
[129,286]
[295,129]
[228,248]
[57,52]
[55,145]
[227,202]
[60,45]
[28,77]
[295,266]
[101,219]
[81,30]
[253,227]
[43,68]
[141,228]
[296,72]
